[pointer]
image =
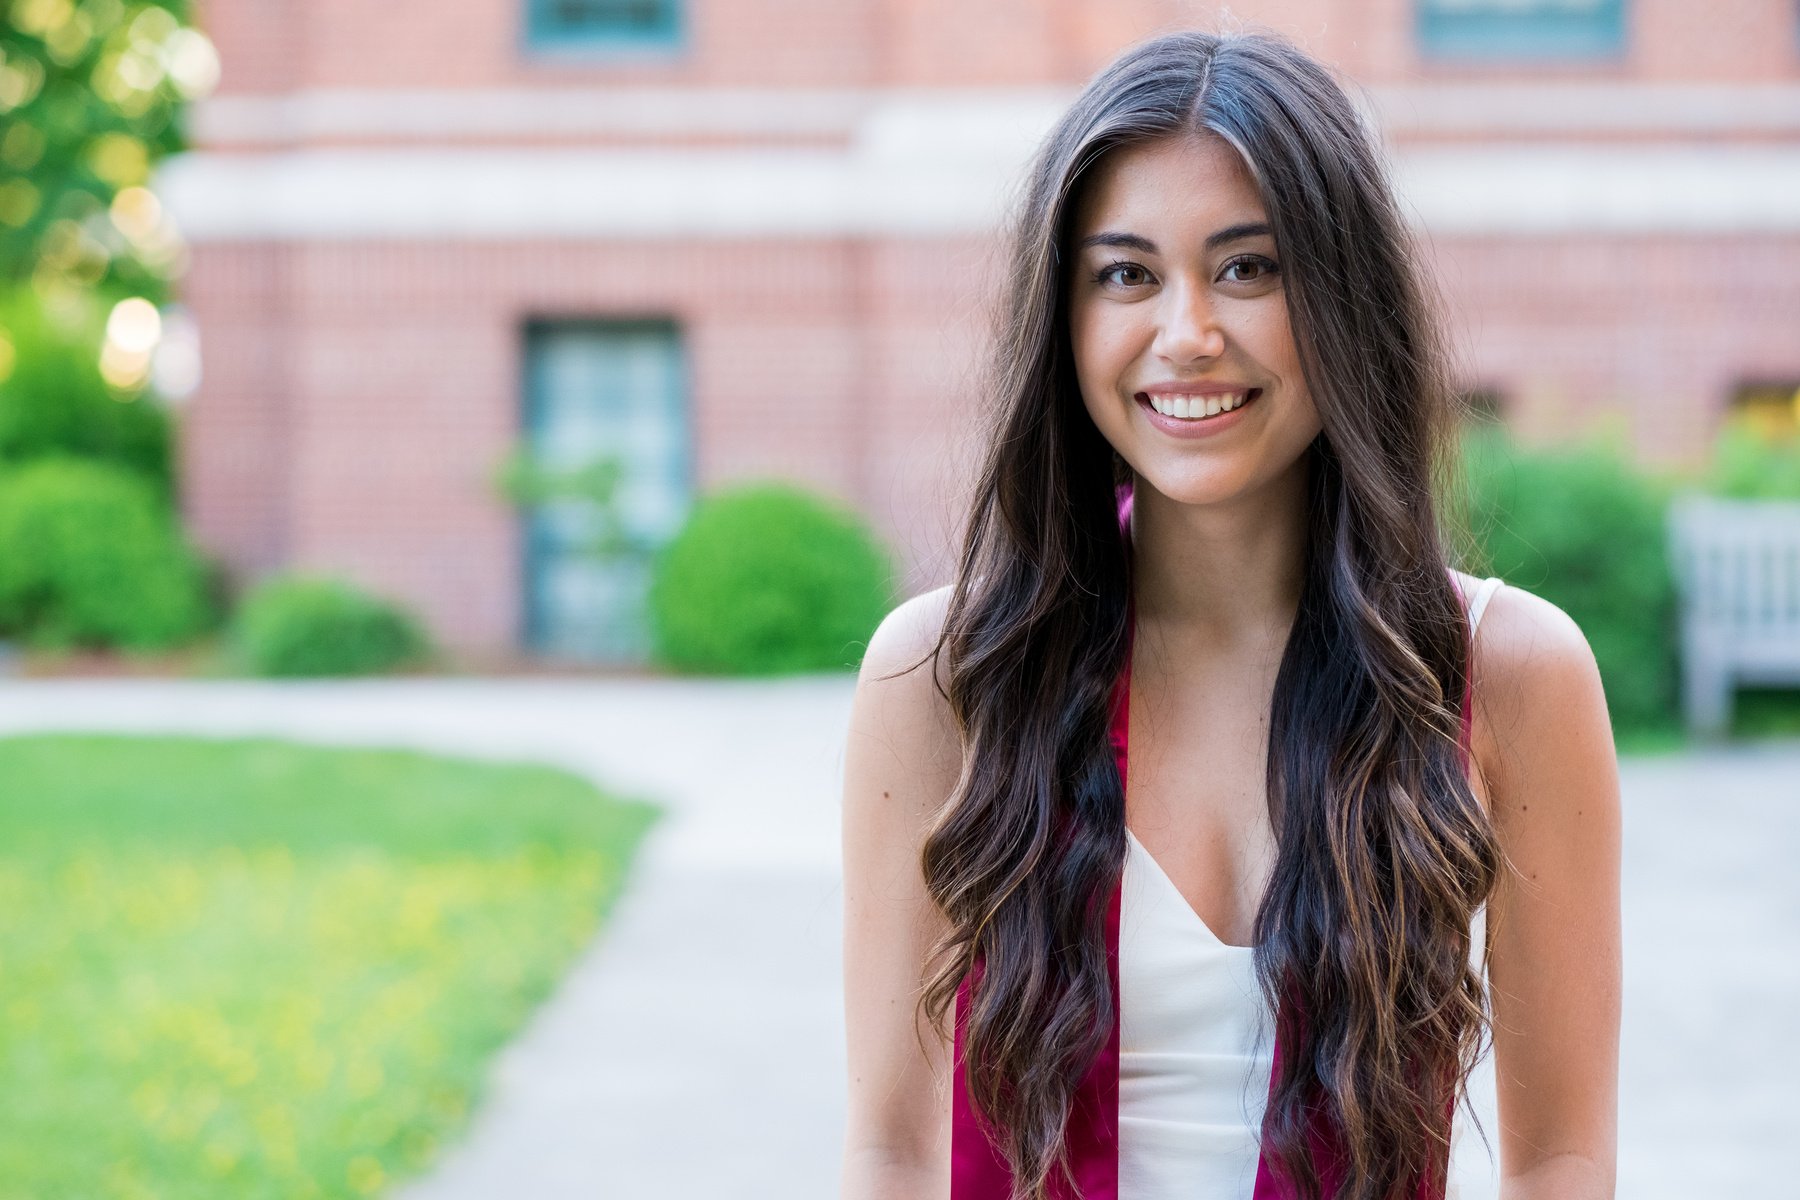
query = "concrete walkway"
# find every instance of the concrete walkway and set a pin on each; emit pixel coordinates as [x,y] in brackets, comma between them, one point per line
[696,1051]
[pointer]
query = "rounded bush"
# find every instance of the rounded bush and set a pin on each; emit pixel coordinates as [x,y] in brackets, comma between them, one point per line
[53,402]
[90,556]
[767,579]
[1585,530]
[303,625]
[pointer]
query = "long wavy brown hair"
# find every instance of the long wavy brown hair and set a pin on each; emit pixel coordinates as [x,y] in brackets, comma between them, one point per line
[1384,852]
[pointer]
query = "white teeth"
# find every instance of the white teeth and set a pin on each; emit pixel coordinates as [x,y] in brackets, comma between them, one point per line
[1193,407]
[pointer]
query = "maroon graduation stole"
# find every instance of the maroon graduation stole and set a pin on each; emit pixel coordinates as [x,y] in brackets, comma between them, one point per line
[978,1170]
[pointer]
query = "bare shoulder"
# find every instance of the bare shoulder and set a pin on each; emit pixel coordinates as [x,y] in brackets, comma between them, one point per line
[901,764]
[1522,634]
[1544,751]
[900,705]
[1540,709]
[906,635]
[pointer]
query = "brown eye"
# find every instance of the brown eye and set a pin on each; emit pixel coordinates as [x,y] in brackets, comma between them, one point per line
[1128,273]
[1262,266]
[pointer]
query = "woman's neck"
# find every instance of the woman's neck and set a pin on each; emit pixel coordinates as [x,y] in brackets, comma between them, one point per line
[1221,576]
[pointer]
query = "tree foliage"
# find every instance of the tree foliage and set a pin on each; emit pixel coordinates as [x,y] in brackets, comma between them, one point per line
[91,96]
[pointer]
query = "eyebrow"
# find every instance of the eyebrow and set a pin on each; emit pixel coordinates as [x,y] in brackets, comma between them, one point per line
[1131,241]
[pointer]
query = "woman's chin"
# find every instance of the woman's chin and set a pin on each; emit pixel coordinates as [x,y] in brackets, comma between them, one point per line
[1209,489]
[1225,480]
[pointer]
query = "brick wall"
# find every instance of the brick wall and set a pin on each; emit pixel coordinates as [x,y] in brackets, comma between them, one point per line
[358,392]
[1656,329]
[358,396]
[271,45]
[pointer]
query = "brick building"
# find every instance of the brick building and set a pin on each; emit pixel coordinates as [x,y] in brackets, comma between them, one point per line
[734,238]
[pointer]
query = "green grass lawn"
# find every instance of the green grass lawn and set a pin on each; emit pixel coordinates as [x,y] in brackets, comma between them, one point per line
[257,969]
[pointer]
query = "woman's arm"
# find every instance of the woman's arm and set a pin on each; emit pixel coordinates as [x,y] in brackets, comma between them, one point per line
[901,761]
[1544,745]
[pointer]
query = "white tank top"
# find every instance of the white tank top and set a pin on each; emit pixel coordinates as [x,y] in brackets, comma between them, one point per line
[1196,1045]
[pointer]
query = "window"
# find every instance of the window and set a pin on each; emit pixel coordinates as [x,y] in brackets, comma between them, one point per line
[603,24]
[1770,407]
[1492,29]
[602,391]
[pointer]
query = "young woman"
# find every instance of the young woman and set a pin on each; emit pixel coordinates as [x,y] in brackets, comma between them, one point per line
[1195,847]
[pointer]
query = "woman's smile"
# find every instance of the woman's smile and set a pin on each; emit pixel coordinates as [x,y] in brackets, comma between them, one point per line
[1191,416]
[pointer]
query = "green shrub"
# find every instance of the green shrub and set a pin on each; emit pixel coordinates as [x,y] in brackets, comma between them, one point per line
[90,556]
[299,625]
[1749,462]
[1756,456]
[54,403]
[1584,530]
[765,579]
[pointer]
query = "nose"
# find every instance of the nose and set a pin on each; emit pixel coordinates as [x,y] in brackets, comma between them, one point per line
[1187,328]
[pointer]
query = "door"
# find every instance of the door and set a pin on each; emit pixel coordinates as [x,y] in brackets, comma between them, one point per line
[598,389]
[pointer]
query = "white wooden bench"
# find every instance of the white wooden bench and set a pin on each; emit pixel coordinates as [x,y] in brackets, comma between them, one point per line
[1737,576]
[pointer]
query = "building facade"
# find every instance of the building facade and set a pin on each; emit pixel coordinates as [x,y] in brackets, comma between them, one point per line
[731,239]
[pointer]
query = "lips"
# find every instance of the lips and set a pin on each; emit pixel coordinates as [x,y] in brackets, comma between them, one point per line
[1197,405]
[1187,427]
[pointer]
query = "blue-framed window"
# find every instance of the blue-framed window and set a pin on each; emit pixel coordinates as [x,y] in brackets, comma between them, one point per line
[603,390]
[1521,28]
[603,24]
